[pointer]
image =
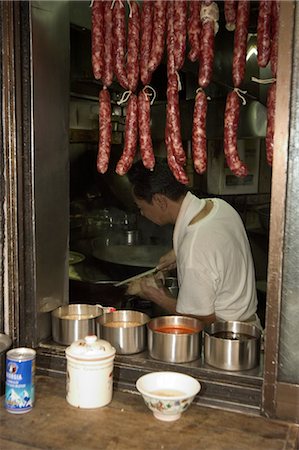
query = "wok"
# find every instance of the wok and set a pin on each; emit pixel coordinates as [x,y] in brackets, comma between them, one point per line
[123,261]
[100,292]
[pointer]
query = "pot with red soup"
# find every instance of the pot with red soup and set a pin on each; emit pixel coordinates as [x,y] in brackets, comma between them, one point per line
[176,339]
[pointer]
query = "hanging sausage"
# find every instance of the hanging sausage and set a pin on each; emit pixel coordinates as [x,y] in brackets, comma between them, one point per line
[263,33]
[102,57]
[194,29]
[232,108]
[175,152]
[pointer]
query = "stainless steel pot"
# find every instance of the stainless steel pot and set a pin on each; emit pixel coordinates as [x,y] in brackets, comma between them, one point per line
[73,322]
[173,347]
[125,330]
[5,344]
[232,345]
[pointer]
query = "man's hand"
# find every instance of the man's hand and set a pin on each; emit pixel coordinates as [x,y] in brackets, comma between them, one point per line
[168,261]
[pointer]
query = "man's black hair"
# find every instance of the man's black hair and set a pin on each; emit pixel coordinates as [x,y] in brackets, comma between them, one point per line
[147,182]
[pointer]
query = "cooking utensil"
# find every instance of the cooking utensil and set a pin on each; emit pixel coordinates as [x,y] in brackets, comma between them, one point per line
[130,255]
[136,277]
[73,322]
[173,347]
[125,330]
[232,345]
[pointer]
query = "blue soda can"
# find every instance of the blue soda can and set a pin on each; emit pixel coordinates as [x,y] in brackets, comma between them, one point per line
[19,386]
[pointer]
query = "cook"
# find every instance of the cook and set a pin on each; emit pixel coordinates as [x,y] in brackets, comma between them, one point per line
[211,252]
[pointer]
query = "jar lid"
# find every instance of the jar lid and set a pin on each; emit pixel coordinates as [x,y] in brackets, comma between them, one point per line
[89,348]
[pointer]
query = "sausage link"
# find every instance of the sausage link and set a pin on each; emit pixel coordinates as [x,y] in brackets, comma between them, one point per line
[108,45]
[230,13]
[105,131]
[274,36]
[170,39]
[133,47]
[199,142]
[131,134]
[207,54]
[209,15]
[145,140]
[146,40]
[97,38]
[240,42]
[231,120]
[158,36]
[175,168]
[194,28]
[174,125]
[180,32]
[271,103]
[263,33]
[119,42]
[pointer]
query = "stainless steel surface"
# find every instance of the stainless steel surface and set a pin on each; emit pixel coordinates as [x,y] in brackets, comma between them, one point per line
[136,277]
[126,340]
[73,322]
[172,285]
[176,348]
[50,79]
[241,353]
[5,344]
[129,255]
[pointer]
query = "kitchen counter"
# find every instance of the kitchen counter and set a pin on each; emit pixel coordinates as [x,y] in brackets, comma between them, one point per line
[127,424]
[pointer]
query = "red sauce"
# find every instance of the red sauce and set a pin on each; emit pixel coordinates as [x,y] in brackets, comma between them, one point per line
[176,330]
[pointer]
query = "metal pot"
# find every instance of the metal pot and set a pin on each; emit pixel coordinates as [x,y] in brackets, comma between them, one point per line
[73,322]
[125,330]
[5,344]
[232,345]
[173,347]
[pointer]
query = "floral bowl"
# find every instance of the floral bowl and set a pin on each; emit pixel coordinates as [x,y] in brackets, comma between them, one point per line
[167,394]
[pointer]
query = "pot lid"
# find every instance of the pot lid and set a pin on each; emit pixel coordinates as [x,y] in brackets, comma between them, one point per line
[90,348]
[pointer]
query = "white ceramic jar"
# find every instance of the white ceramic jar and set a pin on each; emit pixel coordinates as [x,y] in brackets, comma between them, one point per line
[89,372]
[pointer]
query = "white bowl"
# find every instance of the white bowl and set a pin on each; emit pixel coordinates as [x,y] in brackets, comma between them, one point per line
[167,394]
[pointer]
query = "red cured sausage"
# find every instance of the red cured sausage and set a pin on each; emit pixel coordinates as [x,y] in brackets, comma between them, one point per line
[240,42]
[97,38]
[158,35]
[108,45]
[176,168]
[105,131]
[271,103]
[145,140]
[199,142]
[274,36]
[230,13]
[263,33]
[194,28]
[209,14]
[231,120]
[119,42]
[146,40]
[170,39]
[180,32]
[133,47]
[174,126]
[131,134]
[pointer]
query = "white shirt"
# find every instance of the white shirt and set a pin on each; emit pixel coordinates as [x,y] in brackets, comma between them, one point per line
[214,262]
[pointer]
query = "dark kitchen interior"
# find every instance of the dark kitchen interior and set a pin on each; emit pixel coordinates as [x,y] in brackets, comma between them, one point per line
[87,214]
[101,208]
